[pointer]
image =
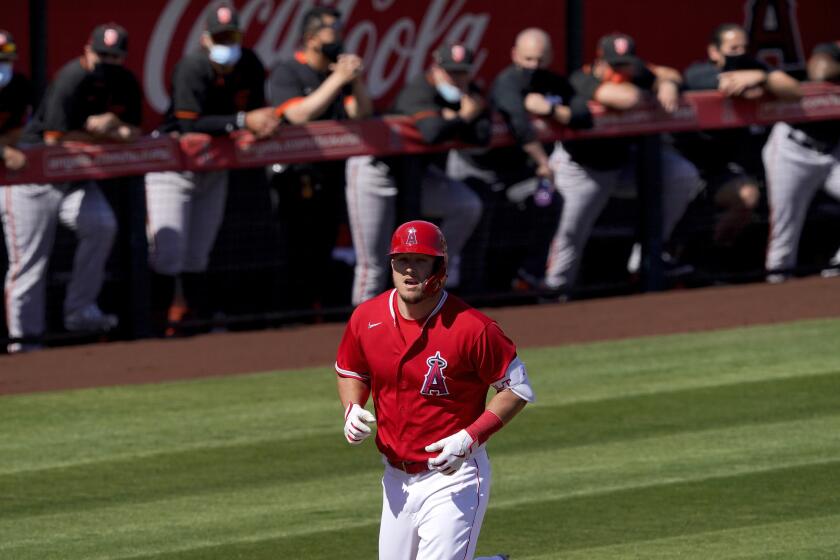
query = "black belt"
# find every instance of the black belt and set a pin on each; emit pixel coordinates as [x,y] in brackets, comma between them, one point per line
[409,467]
[806,141]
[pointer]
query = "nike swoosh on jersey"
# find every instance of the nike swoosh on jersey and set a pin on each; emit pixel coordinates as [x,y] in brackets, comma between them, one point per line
[371,325]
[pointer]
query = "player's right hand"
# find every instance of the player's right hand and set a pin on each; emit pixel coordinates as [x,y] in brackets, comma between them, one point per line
[262,122]
[13,159]
[356,420]
[348,67]
[102,124]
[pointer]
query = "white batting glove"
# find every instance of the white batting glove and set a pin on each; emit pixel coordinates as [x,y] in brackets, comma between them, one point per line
[454,449]
[356,420]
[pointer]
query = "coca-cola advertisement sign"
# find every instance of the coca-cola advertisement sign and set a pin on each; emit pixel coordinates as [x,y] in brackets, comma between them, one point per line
[396,38]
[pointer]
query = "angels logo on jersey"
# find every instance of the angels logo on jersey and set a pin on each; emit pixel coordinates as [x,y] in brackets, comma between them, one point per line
[435,381]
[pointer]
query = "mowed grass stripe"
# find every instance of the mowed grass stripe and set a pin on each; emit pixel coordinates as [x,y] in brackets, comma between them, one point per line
[810,539]
[56,429]
[256,464]
[620,517]
[211,477]
[280,511]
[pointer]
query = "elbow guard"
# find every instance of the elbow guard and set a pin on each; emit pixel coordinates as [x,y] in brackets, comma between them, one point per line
[516,379]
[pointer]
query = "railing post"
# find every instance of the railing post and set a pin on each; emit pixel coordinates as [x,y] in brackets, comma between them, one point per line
[649,180]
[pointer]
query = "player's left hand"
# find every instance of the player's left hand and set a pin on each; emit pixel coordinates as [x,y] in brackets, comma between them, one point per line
[454,449]
[668,95]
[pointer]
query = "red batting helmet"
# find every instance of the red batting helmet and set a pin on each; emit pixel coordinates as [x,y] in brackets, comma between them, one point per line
[418,236]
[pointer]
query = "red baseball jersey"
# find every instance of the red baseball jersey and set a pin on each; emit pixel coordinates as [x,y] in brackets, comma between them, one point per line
[428,379]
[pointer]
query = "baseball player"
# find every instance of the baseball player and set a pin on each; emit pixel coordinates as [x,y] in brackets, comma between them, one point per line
[92,99]
[445,106]
[587,171]
[15,105]
[216,90]
[525,89]
[799,159]
[321,82]
[428,360]
[729,160]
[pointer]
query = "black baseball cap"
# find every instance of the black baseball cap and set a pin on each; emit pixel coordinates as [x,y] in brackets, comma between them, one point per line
[222,19]
[617,48]
[831,49]
[454,57]
[109,38]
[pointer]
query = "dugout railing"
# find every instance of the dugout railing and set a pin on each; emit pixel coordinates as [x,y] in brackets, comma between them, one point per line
[124,164]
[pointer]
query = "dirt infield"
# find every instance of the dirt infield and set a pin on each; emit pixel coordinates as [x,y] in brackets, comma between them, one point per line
[151,361]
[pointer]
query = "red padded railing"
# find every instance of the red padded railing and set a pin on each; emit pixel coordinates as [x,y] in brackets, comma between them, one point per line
[394,135]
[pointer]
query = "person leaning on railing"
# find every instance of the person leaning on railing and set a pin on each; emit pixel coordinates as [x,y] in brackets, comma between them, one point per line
[800,159]
[321,82]
[730,160]
[521,173]
[92,99]
[216,89]
[446,105]
[587,171]
[15,104]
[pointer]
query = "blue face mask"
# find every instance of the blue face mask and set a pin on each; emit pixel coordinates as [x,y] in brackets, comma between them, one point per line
[448,92]
[226,55]
[6,73]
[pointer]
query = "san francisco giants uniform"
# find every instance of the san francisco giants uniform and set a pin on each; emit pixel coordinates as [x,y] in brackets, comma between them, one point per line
[799,159]
[185,209]
[32,212]
[428,380]
[374,186]
[586,172]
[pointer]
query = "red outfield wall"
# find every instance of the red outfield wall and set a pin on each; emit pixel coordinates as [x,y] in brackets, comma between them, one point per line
[396,37]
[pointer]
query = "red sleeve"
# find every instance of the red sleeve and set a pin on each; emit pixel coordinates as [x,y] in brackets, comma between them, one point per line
[492,354]
[350,361]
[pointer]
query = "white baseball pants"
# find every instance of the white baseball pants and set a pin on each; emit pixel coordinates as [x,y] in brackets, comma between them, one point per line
[586,192]
[431,516]
[184,211]
[795,174]
[30,216]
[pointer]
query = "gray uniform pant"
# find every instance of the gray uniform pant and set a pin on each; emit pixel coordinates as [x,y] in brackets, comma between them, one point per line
[371,208]
[794,175]
[185,211]
[585,193]
[30,216]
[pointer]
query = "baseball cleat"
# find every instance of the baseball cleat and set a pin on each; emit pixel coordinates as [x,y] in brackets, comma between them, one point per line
[90,318]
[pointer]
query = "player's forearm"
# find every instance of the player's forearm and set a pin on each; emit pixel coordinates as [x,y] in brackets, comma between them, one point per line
[313,105]
[506,404]
[362,106]
[783,86]
[618,96]
[536,151]
[352,391]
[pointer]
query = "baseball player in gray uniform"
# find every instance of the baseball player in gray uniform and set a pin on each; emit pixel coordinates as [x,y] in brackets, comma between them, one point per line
[799,159]
[446,106]
[92,99]
[587,171]
[216,89]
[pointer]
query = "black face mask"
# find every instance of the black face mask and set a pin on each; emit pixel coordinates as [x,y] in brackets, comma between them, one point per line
[736,62]
[103,70]
[527,74]
[332,50]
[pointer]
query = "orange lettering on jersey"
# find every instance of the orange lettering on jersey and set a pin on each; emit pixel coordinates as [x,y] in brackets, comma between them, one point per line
[435,381]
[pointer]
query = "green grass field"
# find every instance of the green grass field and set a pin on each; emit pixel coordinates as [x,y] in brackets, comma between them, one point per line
[718,445]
